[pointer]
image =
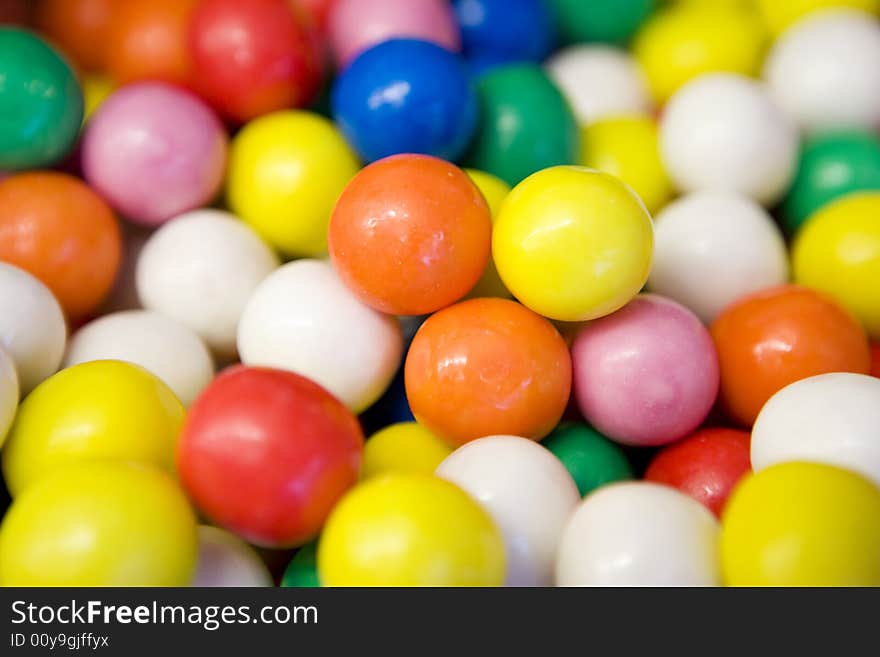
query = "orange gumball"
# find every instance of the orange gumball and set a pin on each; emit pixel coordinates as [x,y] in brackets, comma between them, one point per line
[59,230]
[488,367]
[148,40]
[778,336]
[78,27]
[875,360]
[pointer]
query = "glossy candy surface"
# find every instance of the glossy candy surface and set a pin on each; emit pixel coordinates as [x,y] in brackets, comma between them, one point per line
[225,560]
[79,27]
[590,458]
[403,447]
[611,21]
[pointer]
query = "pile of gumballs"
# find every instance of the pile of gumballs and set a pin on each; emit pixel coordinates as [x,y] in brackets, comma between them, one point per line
[440,292]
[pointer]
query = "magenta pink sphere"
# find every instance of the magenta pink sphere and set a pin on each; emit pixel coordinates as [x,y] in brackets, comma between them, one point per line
[646,375]
[355,25]
[154,151]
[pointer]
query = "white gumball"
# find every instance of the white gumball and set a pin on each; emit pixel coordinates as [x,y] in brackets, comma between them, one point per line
[600,82]
[829,418]
[32,327]
[200,269]
[825,71]
[723,132]
[8,393]
[303,319]
[639,534]
[226,560]
[157,343]
[526,490]
[712,248]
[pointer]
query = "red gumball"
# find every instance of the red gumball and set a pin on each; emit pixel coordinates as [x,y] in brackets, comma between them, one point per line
[266,454]
[252,57]
[706,465]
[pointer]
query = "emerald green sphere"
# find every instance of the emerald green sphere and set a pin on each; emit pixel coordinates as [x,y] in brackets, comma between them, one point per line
[41,104]
[590,458]
[607,21]
[302,571]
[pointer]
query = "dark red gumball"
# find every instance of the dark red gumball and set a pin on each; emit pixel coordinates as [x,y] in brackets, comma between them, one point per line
[266,454]
[252,57]
[706,465]
[875,359]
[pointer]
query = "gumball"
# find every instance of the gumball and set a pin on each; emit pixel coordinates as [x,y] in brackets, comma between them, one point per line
[613,21]
[590,458]
[639,534]
[802,524]
[410,235]
[600,82]
[496,32]
[525,124]
[528,493]
[487,367]
[32,327]
[830,418]
[403,447]
[628,147]
[252,57]
[302,318]
[410,530]
[875,360]
[302,572]
[225,560]
[160,345]
[41,100]
[713,248]
[494,191]
[99,524]
[200,269]
[778,336]
[724,133]
[706,465]
[380,101]
[78,27]
[824,71]
[684,41]
[9,393]
[162,138]
[832,165]
[147,40]
[356,25]
[647,374]
[96,89]
[838,252]
[286,171]
[573,244]
[16,12]
[266,454]
[59,230]
[779,15]
[104,410]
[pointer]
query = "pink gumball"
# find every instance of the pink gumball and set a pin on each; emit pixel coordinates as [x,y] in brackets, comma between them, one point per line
[355,25]
[647,374]
[154,151]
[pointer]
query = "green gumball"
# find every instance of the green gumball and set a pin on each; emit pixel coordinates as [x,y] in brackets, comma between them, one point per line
[302,572]
[591,458]
[606,21]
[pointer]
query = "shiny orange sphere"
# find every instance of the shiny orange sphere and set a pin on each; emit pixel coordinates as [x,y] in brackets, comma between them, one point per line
[778,336]
[78,27]
[485,367]
[53,226]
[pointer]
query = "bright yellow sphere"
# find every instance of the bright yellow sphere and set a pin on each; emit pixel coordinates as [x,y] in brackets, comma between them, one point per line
[96,89]
[684,41]
[286,171]
[410,530]
[628,147]
[99,524]
[403,447]
[494,191]
[572,243]
[778,15]
[802,524]
[837,251]
[104,410]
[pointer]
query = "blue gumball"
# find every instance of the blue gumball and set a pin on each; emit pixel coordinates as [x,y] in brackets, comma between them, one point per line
[406,96]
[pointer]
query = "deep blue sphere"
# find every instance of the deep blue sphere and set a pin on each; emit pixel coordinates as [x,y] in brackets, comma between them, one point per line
[406,96]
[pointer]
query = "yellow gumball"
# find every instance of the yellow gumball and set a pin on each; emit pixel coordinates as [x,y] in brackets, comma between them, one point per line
[99,524]
[104,410]
[286,171]
[628,147]
[403,447]
[778,15]
[802,524]
[837,251]
[410,530]
[96,89]
[572,243]
[494,191]
[684,41]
